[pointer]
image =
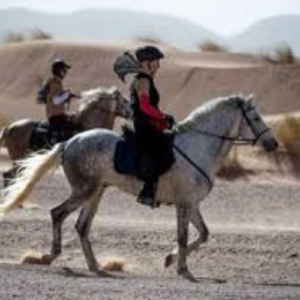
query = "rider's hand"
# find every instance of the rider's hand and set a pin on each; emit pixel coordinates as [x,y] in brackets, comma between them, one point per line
[72,95]
[170,120]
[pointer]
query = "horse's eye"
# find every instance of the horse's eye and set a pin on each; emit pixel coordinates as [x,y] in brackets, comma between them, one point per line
[256,119]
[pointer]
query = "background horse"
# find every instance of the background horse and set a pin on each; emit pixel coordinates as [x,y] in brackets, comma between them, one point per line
[206,136]
[98,109]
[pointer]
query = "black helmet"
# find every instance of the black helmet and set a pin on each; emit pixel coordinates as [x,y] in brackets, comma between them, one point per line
[149,53]
[58,65]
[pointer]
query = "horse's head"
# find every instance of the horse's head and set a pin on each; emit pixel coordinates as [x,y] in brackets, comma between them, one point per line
[253,126]
[120,105]
[99,107]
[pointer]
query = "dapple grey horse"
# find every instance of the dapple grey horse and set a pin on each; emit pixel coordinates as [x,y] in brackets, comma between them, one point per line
[202,142]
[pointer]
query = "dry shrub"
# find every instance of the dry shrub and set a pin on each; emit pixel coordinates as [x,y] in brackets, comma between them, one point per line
[232,168]
[14,37]
[114,265]
[211,46]
[288,133]
[3,121]
[282,55]
[150,40]
[18,37]
[39,34]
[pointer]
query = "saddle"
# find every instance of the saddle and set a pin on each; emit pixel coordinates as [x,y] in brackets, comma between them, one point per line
[44,137]
[130,159]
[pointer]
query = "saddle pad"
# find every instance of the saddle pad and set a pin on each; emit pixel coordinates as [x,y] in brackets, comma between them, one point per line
[125,158]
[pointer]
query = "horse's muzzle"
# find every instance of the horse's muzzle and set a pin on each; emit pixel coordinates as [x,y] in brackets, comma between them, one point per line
[270,145]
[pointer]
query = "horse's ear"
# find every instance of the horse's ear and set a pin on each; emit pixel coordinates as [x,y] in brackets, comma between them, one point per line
[250,99]
[113,90]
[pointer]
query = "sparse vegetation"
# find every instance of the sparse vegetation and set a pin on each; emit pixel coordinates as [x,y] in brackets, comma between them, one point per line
[232,168]
[39,34]
[18,37]
[3,121]
[14,37]
[288,133]
[211,46]
[282,55]
[150,40]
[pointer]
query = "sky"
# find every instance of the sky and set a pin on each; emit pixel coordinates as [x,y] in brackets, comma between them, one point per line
[225,17]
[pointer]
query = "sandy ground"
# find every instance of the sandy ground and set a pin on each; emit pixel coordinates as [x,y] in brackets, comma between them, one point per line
[253,251]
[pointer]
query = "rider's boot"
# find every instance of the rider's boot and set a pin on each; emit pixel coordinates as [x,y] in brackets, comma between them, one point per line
[147,194]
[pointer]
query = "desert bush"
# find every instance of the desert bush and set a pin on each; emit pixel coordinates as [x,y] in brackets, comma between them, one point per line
[282,55]
[288,133]
[231,168]
[39,34]
[14,37]
[211,46]
[18,37]
[3,121]
[150,40]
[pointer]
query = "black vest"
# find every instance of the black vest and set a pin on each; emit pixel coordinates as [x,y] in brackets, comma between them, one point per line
[135,101]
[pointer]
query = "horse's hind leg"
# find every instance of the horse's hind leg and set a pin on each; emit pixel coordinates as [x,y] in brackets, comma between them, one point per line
[59,214]
[83,227]
[9,175]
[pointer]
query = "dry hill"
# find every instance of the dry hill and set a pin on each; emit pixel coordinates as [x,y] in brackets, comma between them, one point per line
[186,79]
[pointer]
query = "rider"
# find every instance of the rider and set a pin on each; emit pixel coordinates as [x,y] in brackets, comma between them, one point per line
[150,122]
[58,99]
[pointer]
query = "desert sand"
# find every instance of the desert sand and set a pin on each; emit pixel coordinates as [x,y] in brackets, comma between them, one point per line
[253,250]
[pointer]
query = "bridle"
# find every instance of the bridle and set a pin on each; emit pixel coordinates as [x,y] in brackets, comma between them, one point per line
[257,134]
[236,140]
[112,110]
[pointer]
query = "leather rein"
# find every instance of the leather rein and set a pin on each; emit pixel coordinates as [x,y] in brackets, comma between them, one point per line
[236,140]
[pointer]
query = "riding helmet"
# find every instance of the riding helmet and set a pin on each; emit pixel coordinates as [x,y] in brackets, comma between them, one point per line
[148,53]
[59,65]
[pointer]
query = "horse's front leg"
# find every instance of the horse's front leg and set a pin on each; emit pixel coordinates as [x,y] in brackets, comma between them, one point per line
[203,233]
[183,216]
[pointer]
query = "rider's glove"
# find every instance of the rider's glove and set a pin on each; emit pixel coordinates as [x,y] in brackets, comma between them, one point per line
[170,120]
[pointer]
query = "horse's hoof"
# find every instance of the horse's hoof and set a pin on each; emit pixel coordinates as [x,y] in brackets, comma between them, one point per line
[169,260]
[186,274]
[47,259]
[95,268]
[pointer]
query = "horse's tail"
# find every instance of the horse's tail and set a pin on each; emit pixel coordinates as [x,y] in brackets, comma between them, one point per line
[32,170]
[2,136]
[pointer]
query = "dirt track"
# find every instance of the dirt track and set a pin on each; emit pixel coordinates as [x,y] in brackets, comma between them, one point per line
[253,251]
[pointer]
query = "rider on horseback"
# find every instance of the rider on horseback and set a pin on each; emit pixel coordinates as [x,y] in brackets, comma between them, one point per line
[151,124]
[57,101]
[154,139]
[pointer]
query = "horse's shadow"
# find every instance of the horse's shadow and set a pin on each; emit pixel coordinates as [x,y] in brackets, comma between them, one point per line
[79,273]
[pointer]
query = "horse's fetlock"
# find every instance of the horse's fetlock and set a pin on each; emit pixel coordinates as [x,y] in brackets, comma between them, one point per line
[56,250]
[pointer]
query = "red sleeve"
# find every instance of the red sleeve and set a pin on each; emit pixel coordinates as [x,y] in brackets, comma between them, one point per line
[148,109]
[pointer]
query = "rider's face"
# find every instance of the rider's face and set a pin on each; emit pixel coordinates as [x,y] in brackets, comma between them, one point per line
[63,73]
[151,67]
[154,66]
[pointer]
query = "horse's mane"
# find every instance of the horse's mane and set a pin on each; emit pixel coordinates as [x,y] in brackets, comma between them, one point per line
[204,111]
[89,96]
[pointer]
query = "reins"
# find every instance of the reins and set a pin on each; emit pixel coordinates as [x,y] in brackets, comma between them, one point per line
[236,141]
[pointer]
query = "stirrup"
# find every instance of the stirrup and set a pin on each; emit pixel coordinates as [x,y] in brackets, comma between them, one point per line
[151,202]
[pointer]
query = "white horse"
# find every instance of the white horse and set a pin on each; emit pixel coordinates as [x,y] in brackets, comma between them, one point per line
[201,144]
